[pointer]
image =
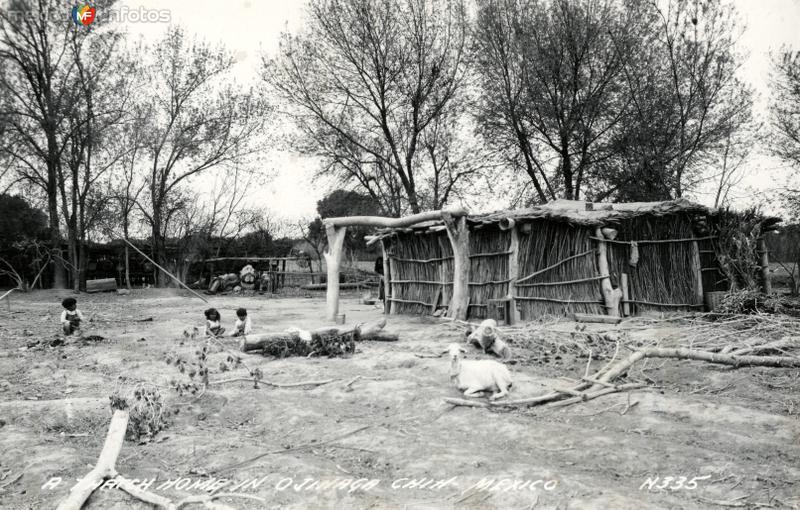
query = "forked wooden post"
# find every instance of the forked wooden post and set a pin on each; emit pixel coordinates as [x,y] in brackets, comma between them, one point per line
[333,259]
[765,276]
[458,233]
[335,228]
[611,296]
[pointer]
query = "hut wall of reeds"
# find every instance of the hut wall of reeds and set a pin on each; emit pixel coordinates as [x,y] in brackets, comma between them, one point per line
[546,260]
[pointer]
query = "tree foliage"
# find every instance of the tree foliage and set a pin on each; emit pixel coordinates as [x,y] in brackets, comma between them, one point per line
[19,220]
[599,99]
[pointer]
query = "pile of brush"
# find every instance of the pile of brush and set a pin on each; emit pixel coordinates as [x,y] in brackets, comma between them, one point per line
[319,345]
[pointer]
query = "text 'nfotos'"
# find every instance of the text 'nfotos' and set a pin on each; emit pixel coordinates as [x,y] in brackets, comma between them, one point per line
[84,15]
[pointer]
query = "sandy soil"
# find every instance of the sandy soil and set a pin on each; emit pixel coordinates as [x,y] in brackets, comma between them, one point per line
[736,431]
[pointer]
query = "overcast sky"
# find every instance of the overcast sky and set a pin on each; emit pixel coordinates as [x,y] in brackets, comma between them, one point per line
[250,28]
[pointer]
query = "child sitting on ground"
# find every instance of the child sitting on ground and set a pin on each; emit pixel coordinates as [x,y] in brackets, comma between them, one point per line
[71,317]
[243,326]
[213,327]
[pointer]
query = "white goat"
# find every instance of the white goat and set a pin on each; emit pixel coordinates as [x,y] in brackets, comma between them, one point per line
[475,377]
[487,338]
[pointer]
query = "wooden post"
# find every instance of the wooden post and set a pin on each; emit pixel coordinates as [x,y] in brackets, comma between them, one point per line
[626,295]
[386,279]
[611,296]
[458,234]
[333,259]
[513,274]
[443,275]
[697,274]
[766,279]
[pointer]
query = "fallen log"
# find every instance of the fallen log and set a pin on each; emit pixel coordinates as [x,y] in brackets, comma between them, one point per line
[590,317]
[690,354]
[101,285]
[295,341]
[105,467]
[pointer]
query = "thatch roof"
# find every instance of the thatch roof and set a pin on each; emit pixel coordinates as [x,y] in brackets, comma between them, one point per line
[574,212]
[592,214]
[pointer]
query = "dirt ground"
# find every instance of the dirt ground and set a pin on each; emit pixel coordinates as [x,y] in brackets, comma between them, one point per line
[733,434]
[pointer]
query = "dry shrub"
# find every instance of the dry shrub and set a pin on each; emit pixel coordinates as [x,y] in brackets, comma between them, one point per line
[147,410]
[736,246]
[750,301]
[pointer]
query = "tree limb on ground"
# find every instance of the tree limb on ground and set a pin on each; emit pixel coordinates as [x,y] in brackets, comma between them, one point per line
[599,384]
[274,384]
[105,469]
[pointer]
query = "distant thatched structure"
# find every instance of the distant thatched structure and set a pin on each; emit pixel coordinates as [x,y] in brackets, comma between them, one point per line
[571,256]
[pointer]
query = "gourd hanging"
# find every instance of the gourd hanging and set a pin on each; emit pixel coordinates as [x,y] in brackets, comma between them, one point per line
[634,260]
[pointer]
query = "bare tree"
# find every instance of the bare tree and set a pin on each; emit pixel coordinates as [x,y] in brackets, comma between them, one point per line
[736,150]
[365,82]
[599,98]
[127,180]
[103,83]
[552,86]
[785,108]
[197,123]
[35,68]
[687,100]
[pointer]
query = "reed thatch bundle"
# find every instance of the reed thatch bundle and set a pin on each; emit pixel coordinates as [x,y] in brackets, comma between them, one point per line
[567,282]
[416,278]
[664,272]
[488,278]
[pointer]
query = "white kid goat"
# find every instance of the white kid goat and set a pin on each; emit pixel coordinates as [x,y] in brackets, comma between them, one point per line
[475,377]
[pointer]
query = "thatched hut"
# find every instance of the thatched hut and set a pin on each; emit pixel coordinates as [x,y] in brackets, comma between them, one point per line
[557,258]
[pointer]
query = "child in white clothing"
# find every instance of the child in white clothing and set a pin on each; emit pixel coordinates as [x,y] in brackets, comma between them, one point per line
[71,317]
[213,327]
[243,326]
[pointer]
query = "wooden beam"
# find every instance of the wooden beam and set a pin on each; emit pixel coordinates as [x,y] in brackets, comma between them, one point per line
[766,279]
[381,221]
[513,273]
[333,259]
[458,233]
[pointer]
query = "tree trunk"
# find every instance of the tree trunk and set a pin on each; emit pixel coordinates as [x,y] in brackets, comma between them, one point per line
[127,256]
[333,259]
[458,233]
[158,251]
[83,263]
